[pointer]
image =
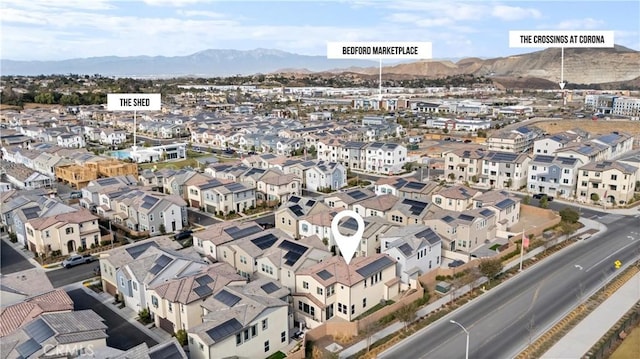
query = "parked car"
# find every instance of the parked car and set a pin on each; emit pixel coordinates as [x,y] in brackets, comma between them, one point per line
[77,259]
[541,195]
[183,235]
[251,153]
[229,151]
[456,263]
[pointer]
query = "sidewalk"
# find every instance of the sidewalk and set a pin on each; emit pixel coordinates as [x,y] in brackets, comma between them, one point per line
[582,337]
[397,326]
[127,314]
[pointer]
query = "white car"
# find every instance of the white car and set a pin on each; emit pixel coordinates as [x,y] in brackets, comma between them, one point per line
[77,259]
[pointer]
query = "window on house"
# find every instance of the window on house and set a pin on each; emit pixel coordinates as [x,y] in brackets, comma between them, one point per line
[319,290]
[238,339]
[283,337]
[266,346]
[364,302]
[170,307]
[305,285]
[254,329]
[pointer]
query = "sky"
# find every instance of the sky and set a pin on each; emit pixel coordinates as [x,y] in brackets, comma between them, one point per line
[63,29]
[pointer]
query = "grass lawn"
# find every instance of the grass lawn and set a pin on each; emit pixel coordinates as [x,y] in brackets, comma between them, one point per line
[189,162]
[495,246]
[630,347]
[277,355]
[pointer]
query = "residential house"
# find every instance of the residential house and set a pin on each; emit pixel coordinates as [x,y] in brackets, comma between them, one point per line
[374,228]
[326,176]
[245,321]
[519,140]
[243,253]
[550,144]
[22,177]
[176,303]
[66,232]
[611,182]
[348,198]
[376,206]
[405,188]
[333,288]
[455,198]
[276,187]
[112,137]
[385,158]
[505,205]
[111,261]
[463,165]
[464,231]
[70,140]
[146,211]
[417,250]
[208,241]
[289,214]
[554,176]
[228,198]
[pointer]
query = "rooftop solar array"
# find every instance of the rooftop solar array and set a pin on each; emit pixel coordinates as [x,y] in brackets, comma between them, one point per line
[324,274]
[264,242]
[415,185]
[429,235]
[294,251]
[294,199]
[224,330]
[204,280]
[375,266]
[226,298]
[235,187]
[310,203]
[415,207]
[466,217]
[27,348]
[160,263]
[297,210]
[448,219]
[203,290]
[487,213]
[38,330]
[357,194]
[505,203]
[503,157]
[31,212]
[269,287]
[350,223]
[405,248]
[237,233]
[149,201]
[137,250]
[107,181]
[543,159]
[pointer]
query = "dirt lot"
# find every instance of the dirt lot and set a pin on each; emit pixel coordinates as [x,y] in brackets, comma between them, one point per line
[630,347]
[593,127]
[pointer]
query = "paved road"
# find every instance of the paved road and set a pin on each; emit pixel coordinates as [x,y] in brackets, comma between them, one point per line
[63,276]
[557,206]
[12,261]
[503,321]
[269,220]
[122,334]
[195,216]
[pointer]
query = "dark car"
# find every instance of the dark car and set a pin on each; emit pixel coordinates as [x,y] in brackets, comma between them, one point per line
[251,153]
[542,195]
[456,263]
[183,235]
[467,141]
[229,151]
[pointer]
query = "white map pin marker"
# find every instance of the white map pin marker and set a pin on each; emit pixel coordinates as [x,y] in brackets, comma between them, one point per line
[347,244]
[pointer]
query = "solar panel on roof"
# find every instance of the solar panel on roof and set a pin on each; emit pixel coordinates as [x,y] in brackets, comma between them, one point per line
[163,260]
[374,266]
[310,203]
[324,274]
[415,207]
[136,251]
[155,269]
[448,219]
[294,199]
[167,352]
[236,233]
[203,290]
[224,330]
[504,157]
[297,210]
[429,235]
[405,248]
[27,348]
[265,241]
[226,298]
[487,212]
[107,181]
[39,330]
[357,194]
[466,217]
[350,223]
[235,187]
[415,185]
[269,287]
[505,203]
[204,280]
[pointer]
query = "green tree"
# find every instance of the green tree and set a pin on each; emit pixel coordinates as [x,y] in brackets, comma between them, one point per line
[526,199]
[569,215]
[490,267]
[162,229]
[406,314]
[182,337]
[544,202]
[44,98]
[595,197]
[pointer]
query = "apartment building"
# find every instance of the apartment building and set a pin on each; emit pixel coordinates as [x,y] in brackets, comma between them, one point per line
[611,182]
[519,140]
[504,170]
[553,176]
[333,288]
[464,231]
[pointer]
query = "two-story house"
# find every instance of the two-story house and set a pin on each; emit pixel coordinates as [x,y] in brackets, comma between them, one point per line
[505,205]
[326,176]
[66,232]
[611,182]
[463,165]
[464,231]
[504,170]
[276,187]
[455,198]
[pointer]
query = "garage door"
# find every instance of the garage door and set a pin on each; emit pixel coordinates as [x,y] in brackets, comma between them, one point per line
[166,325]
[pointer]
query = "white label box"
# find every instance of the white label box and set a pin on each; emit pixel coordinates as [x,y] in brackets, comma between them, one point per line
[560,38]
[134,102]
[379,50]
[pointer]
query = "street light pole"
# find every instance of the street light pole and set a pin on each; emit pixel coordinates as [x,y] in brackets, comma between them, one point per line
[466,353]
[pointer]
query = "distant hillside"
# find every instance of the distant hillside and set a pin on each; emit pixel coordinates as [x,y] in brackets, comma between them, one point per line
[581,66]
[208,63]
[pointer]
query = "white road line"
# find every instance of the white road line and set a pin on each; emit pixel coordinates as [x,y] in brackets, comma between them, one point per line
[607,257]
[578,266]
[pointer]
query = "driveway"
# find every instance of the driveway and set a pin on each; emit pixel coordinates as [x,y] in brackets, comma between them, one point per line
[11,260]
[122,334]
[200,218]
[63,276]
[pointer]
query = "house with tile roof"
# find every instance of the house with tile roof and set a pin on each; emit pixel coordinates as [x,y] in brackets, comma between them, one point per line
[455,198]
[17,315]
[505,205]
[417,250]
[348,197]
[405,188]
[376,206]
[251,320]
[276,187]
[291,212]
[66,232]
[463,231]
[176,304]
[333,288]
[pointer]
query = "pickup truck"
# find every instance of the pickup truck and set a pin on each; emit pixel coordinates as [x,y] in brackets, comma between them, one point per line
[77,259]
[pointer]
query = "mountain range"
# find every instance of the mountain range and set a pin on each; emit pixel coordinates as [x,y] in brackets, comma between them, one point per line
[581,65]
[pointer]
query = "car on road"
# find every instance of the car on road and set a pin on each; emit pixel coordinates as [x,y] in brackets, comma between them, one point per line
[77,259]
[183,235]
[229,151]
[542,195]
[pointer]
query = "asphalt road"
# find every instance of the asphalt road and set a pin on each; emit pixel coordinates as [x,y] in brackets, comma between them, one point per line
[63,276]
[557,206]
[195,216]
[12,261]
[122,334]
[503,321]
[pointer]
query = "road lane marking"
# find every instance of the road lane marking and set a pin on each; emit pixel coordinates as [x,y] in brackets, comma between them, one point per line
[610,255]
[578,266]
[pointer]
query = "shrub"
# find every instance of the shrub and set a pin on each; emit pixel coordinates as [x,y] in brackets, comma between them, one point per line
[145,316]
[181,337]
[569,215]
[162,229]
[105,243]
[13,237]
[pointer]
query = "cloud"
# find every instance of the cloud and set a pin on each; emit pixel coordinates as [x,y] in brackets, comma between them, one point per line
[200,13]
[514,13]
[579,24]
[174,3]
